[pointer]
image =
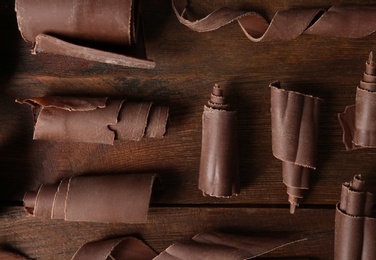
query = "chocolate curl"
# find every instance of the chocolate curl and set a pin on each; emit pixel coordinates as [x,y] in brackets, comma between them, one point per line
[89,30]
[295,120]
[110,198]
[341,21]
[214,245]
[95,120]
[219,168]
[358,121]
[355,223]
[118,248]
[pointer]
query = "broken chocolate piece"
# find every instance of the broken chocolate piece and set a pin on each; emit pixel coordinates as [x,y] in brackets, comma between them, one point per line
[219,168]
[95,120]
[91,30]
[355,223]
[358,121]
[117,248]
[110,198]
[224,246]
[341,21]
[295,120]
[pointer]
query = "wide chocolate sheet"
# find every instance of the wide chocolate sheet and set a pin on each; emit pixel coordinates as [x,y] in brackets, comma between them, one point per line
[340,21]
[95,120]
[295,121]
[219,167]
[109,198]
[355,223]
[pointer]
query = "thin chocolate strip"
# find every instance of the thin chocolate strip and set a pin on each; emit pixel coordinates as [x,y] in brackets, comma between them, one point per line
[117,248]
[5,255]
[110,198]
[95,120]
[355,223]
[224,246]
[89,30]
[219,168]
[295,120]
[358,121]
[341,21]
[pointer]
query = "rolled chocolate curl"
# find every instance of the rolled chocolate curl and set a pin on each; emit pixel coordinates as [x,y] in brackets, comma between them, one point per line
[358,121]
[220,246]
[339,21]
[295,121]
[117,248]
[107,198]
[219,167]
[355,223]
[92,30]
[95,120]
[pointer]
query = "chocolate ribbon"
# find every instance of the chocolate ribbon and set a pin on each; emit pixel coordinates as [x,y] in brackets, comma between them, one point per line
[295,120]
[110,198]
[95,120]
[339,21]
[219,168]
[355,223]
[93,30]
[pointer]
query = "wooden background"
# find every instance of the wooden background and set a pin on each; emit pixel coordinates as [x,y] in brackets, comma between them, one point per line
[188,65]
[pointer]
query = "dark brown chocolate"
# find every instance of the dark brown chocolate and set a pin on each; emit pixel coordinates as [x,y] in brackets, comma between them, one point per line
[6,255]
[219,167]
[358,121]
[355,223]
[295,120]
[341,21]
[85,29]
[117,248]
[109,198]
[224,246]
[95,120]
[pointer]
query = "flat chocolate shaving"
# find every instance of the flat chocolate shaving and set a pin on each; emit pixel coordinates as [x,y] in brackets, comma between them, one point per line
[224,246]
[117,248]
[358,121]
[89,30]
[342,21]
[355,223]
[295,120]
[110,198]
[219,168]
[95,120]
[5,255]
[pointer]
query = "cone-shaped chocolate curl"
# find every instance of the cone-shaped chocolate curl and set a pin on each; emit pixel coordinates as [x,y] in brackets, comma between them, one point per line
[358,121]
[295,120]
[355,223]
[340,21]
[95,120]
[219,168]
[93,30]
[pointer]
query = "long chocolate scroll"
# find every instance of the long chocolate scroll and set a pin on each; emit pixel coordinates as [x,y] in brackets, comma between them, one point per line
[358,121]
[107,198]
[219,169]
[355,223]
[93,30]
[295,120]
[340,21]
[208,246]
[95,120]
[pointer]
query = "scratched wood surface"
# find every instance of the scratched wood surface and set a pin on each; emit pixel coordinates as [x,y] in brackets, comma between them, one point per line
[188,65]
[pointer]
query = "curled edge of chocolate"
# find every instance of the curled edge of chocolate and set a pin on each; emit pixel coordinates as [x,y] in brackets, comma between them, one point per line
[339,21]
[213,245]
[295,120]
[98,198]
[355,222]
[117,248]
[219,167]
[95,120]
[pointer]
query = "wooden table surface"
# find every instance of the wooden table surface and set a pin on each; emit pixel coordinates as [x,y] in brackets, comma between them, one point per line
[188,65]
